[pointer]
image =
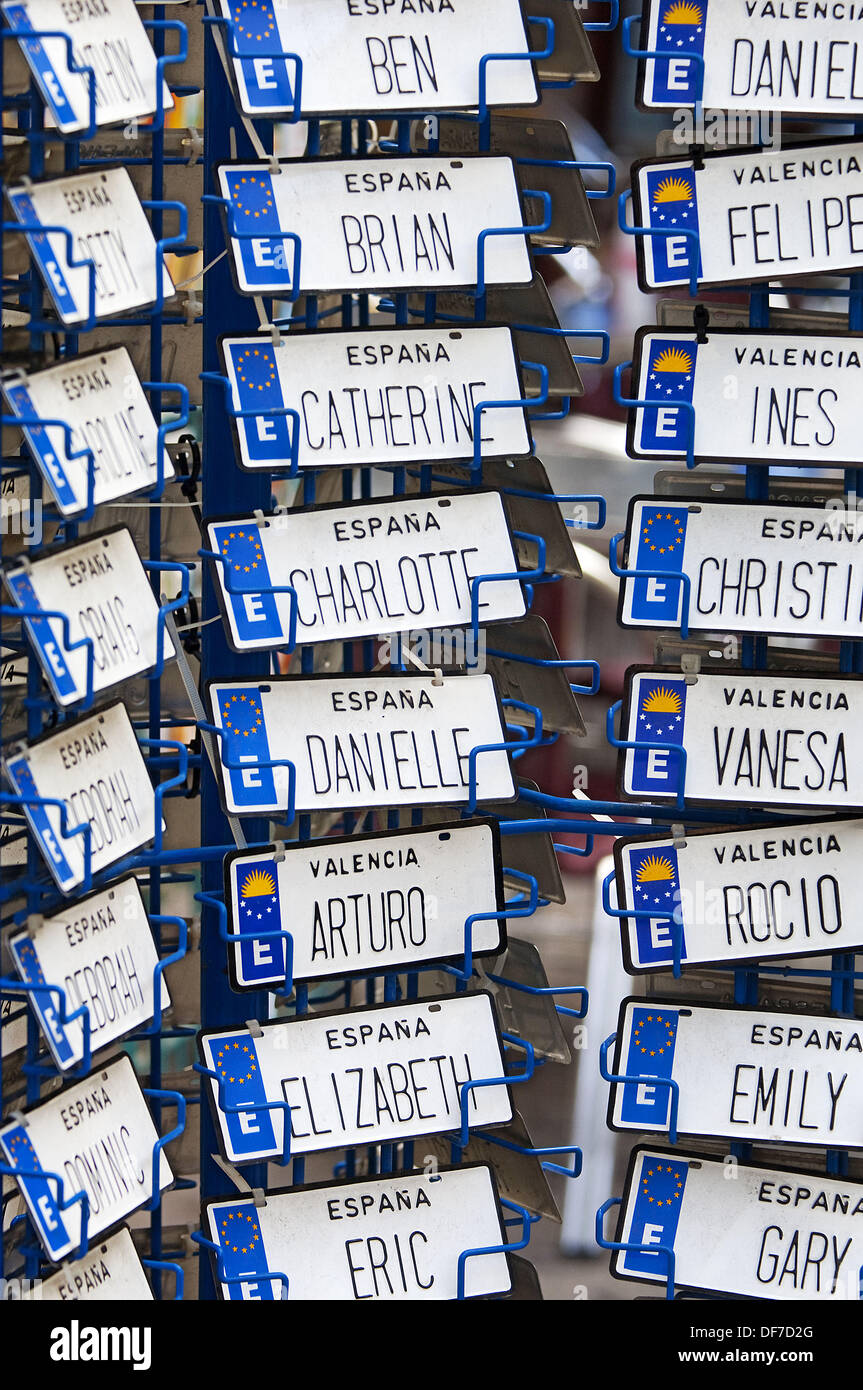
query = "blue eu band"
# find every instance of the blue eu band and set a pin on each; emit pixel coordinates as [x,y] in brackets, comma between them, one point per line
[241,715]
[672,207]
[235,1062]
[669,380]
[255,613]
[253,210]
[47,76]
[660,547]
[652,1041]
[258,43]
[268,438]
[655,890]
[63,297]
[49,646]
[660,718]
[45,1004]
[238,1232]
[43,449]
[39,1191]
[25,785]
[661,1183]
[256,893]
[680,32]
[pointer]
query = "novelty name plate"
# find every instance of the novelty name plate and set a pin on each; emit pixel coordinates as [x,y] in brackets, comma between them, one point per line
[108,1273]
[748,1074]
[364,1076]
[752,567]
[365,568]
[755,397]
[770,1233]
[109,231]
[391,223]
[769,740]
[393,1238]
[740,895]
[100,398]
[382,396]
[368,902]
[94,766]
[102,588]
[100,950]
[358,741]
[98,1136]
[767,215]
[363,55]
[107,37]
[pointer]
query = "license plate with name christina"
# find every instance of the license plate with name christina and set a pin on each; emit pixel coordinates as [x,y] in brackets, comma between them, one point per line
[741,895]
[752,567]
[771,740]
[101,399]
[98,1136]
[94,766]
[757,396]
[368,902]
[749,1232]
[748,1074]
[377,56]
[359,741]
[380,396]
[363,569]
[364,1076]
[101,586]
[391,223]
[394,1238]
[108,1273]
[109,229]
[768,215]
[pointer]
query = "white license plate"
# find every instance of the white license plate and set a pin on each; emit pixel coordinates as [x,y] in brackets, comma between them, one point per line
[381,396]
[109,228]
[752,567]
[741,895]
[377,57]
[758,397]
[100,951]
[98,1136]
[750,1231]
[365,568]
[109,1273]
[108,38]
[369,902]
[358,741]
[93,765]
[747,1074]
[396,1238]
[102,587]
[769,215]
[391,223]
[768,740]
[365,1076]
[100,398]
[758,57]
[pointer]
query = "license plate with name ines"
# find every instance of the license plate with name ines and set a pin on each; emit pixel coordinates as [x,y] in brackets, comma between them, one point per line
[390,223]
[758,397]
[108,1273]
[741,895]
[392,1238]
[365,568]
[364,1076]
[100,398]
[94,766]
[364,55]
[109,228]
[752,567]
[368,902]
[768,1233]
[383,395]
[769,215]
[771,740]
[102,587]
[748,1074]
[98,1135]
[359,741]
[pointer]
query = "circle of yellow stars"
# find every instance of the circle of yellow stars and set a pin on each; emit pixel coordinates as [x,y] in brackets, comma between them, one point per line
[653,1018]
[658,1171]
[672,545]
[254,182]
[249,33]
[230,1233]
[225,1062]
[255,708]
[242,536]
[268,362]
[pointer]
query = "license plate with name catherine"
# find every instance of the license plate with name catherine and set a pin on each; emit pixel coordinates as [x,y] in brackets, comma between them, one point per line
[364,1076]
[748,1074]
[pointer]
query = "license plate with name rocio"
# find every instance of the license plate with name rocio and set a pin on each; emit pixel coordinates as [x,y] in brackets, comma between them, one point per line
[109,1273]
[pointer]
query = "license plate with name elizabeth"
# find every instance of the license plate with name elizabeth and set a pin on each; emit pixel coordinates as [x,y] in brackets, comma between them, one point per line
[364,1076]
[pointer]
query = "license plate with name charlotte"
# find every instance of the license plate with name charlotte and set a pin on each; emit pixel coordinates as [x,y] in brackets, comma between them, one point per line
[748,1074]
[365,1076]
[766,1233]
[741,895]
[359,741]
[772,740]
[391,223]
[98,1135]
[368,902]
[769,215]
[108,1273]
[385,395]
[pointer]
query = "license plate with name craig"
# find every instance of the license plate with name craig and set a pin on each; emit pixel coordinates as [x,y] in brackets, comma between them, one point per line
[363,1076]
